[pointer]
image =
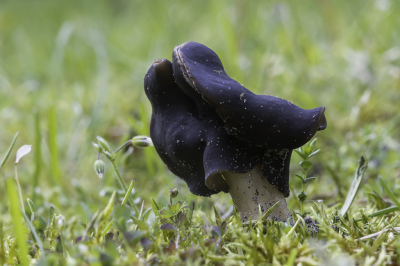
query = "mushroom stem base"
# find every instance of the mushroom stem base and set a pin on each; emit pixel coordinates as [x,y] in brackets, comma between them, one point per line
[251,189]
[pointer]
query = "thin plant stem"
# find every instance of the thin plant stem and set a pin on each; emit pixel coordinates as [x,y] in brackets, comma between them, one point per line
[19,188]
[129,142]
[121,181]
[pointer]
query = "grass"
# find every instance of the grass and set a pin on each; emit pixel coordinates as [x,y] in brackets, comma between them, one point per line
[73,70]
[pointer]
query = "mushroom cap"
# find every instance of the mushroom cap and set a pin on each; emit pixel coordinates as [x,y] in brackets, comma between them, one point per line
[195,148]
[204,123]
[258,119]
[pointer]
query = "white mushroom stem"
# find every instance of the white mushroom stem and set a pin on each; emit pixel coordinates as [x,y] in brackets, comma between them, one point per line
[251,189]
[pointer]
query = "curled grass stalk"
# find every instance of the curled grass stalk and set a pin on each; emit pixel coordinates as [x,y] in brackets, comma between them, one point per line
[355,185]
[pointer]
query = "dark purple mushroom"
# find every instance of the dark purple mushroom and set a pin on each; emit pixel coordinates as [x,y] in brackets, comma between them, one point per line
[218,136]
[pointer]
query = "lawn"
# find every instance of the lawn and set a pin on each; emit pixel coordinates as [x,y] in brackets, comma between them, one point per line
[73,70]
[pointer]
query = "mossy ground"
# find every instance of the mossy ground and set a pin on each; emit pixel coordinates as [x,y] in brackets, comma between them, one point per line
[72,70]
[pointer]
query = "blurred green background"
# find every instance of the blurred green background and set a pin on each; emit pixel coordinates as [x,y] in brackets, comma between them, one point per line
[72,70]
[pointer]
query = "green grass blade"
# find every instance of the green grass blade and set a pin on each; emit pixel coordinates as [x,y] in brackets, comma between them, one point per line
[35,235]
[2,249]
[384,211]
[105,231]
[388,191]
[128,193]
[38,155]
[17,221]
[9,150]
[292,257]
[53,145]
[381,212]
[362,166]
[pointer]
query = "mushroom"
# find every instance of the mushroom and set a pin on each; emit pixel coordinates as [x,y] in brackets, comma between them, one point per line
[218,136]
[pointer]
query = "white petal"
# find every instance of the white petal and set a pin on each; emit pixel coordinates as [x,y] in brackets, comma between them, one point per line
[24,150]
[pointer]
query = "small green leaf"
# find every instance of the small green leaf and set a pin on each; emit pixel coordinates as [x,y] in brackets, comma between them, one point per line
[39,222]
[96,146]
[51,214]
[307,150]
[31,205]
[287,229]
[109,208]
[181,219]
[133,237]
[122,211]
[168,227]
[299,176]
[146,214]
[313,143]
[120,224]
[154,204]
[104,144]
[165,213]
[309,179]
[142,225]
[312,154]
[175,208]
[305,165]
[301,154]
